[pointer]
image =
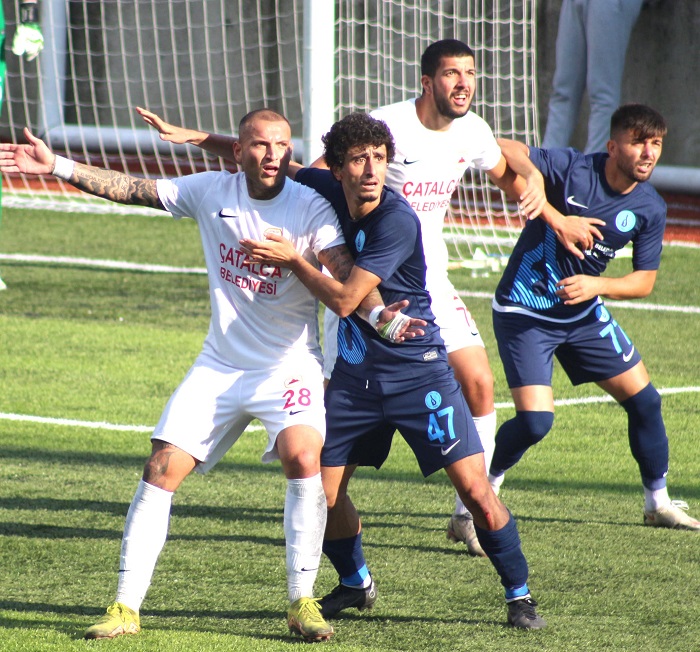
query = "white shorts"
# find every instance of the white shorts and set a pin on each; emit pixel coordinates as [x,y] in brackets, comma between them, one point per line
[457,328]
[214,403]
[330,341]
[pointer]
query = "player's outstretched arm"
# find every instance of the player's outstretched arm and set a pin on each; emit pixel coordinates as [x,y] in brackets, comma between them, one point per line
[221,146]
[37,158]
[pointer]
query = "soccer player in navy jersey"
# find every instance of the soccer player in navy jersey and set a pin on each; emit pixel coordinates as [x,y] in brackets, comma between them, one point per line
[378,387]
[549,301]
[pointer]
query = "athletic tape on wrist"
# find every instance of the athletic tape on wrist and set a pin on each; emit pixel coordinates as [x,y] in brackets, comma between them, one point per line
[374,316]
[391,330]
[63,168]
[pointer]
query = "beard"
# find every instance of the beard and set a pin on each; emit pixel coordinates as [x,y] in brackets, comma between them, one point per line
[446,109]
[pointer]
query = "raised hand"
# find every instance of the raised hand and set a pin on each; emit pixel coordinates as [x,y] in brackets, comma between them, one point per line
[167,131]
[34,158]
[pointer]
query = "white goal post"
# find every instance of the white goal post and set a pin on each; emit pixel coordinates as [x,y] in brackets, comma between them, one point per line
[205,63]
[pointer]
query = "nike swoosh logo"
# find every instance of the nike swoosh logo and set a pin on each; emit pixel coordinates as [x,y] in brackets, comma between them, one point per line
[628,356]
[227,212]
[445,451]
[296,411]
[308,570]
[407,162]
[570,200]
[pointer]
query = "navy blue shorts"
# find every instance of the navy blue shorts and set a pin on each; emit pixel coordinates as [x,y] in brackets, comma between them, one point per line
[591,349]
[430,413]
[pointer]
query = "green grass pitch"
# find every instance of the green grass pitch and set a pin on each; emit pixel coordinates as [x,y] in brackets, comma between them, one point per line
[110,346]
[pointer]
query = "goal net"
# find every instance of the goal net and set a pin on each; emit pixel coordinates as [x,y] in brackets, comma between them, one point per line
[205,63]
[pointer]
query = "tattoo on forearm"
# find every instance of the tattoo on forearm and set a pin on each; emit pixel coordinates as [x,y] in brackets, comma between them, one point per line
[339,262]
[116,186]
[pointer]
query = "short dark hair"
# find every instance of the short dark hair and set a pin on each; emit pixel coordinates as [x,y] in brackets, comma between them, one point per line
[356,130]
[264,114]
[640,119]
[434,53]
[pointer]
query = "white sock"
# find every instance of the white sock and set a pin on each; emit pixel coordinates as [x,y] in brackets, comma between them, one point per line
[304,524]
[655,499]
[486,428]
[496,481]
[145,531]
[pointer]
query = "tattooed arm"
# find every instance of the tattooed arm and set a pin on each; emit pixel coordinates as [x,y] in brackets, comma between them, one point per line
[352,290]
[37,158]
[339,262]
[115,186]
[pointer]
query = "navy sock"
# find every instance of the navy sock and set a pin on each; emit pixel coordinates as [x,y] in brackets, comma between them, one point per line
[348,559]
[516,435]
[505,552]
[647,436]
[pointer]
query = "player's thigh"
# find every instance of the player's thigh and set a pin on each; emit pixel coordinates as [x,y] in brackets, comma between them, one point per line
[433,417]
[526,347]
[472,371]
[597,349]
[627,384]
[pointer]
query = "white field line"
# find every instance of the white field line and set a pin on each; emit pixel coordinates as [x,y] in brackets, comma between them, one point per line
[635,305]
[74,423]
[101,425]
[167,269]
[102,264]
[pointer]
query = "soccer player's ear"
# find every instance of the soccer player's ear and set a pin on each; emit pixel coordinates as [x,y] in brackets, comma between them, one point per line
[237,151]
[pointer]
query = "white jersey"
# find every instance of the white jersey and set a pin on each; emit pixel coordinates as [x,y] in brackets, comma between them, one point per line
[262,315]
[427,168]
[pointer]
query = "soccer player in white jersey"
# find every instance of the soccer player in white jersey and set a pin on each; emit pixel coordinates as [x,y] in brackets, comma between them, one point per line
[437,140]
[261,358]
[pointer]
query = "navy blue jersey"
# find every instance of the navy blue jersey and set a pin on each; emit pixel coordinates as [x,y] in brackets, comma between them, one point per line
[575,184]
[387,243]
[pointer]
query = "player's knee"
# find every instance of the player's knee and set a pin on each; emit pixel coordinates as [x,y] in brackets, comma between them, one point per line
[645,404]
[167,466]
[535,425]
[302,464]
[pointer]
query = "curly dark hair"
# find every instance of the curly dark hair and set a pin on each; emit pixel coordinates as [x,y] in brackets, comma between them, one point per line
[356,130]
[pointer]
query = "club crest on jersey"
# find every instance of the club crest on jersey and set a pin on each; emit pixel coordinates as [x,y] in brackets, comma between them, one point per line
[602,314]
[625,221]
[272,230]
[360,240]
[293,381]
[433,400]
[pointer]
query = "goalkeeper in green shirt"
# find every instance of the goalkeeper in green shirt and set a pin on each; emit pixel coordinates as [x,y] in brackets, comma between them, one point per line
[28,41]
